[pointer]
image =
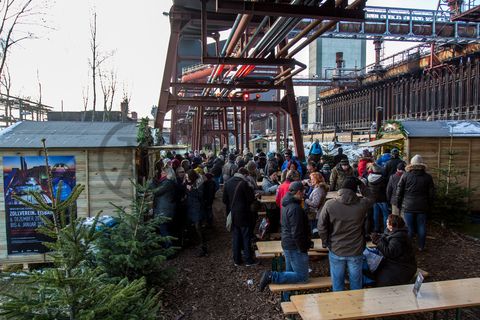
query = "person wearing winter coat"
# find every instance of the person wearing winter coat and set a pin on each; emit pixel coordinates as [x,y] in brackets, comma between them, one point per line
[415,194]
[283,188]
[316,199]
[363,163]
[326,172]
[195,206]
[295,242]
[339,157]
[229,168]
[398,265]
[164,204]
[339,174]
[270,182]
[292,166]
[288,159]
[391,165]
[216,170]
[340,228]
[377,184]
[238,197]
[315,151]
[209,190]
[384,158]
[271,163]
[392,187]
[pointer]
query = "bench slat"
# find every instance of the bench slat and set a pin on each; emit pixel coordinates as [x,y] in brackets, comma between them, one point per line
[288,308]
[259,255]
[313,283]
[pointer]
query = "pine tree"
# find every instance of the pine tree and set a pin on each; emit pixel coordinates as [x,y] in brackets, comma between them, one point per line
[73,288]
[451,205]
[133,248]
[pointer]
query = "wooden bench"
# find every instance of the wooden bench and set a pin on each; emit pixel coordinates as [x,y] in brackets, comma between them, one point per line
[388,301]
[312,283]
[262,213]
[259,255]
[288,308]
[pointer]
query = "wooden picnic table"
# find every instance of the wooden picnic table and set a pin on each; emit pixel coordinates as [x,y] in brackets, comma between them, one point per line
[275,247]
[267,198]
[388,301]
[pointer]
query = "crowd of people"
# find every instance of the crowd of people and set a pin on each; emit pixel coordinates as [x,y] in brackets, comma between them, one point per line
[383,200]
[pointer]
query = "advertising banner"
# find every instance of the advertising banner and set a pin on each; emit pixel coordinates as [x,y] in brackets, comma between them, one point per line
[24,174]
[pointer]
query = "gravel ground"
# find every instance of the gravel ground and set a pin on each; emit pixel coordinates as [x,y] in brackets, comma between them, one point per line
[213,288]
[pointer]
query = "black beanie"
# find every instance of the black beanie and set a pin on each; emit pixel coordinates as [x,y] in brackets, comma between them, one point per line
[350,183]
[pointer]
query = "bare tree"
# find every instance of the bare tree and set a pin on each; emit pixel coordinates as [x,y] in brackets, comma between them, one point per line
[39,89]
[85,101]
[5,86]
[18,18]
[95,60]
[108,83]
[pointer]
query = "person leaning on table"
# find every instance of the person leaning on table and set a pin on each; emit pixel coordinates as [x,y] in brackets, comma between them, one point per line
[295,241]
[340,227]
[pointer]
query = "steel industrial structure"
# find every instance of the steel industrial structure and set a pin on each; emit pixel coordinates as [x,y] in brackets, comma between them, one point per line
[258,56]
[13,109]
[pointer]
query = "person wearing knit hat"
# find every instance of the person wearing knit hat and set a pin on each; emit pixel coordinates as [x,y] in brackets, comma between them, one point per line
[391,165]
[392,187]
[341,229]
[339,173]
[295,241]
[415,194]
[230,168]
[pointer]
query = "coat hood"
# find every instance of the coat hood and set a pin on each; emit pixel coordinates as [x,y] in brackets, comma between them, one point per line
[288,199]
[374,178]
[412,167]
[347,196]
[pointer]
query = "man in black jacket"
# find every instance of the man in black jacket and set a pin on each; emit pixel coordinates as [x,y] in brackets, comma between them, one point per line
[415,192]
[238,197]
[391,165]
[295,241]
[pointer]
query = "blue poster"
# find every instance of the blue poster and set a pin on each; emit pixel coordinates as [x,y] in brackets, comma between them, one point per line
[24,174]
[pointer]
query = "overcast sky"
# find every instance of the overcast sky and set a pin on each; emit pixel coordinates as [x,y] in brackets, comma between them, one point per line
[138,34]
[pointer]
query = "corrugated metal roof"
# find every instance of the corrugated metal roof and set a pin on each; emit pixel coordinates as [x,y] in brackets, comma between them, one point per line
[441,128]
[69,134]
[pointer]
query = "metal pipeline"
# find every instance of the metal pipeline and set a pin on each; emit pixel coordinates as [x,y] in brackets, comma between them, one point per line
[322,30]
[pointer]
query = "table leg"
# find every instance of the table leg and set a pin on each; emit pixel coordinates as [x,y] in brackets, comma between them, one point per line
[435,314]
[458,314]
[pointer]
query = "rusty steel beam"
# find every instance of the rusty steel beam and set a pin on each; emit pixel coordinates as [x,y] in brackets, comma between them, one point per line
[213,102]
[327,11]
[249,61]
[192,85]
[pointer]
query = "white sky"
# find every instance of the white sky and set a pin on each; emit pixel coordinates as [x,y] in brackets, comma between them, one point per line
[137,32]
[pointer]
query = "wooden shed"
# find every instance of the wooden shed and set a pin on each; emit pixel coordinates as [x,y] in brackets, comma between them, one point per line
[258,143]
[100,155]
[434,140]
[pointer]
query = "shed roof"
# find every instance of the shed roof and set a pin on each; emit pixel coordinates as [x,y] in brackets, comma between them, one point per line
[69,134]
[442,128]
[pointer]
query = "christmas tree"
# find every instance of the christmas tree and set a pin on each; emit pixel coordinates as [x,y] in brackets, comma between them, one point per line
[73,288]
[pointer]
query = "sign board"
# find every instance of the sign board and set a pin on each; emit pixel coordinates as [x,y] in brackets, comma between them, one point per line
[20,176]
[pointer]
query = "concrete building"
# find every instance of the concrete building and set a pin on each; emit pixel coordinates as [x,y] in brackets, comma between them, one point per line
[322,62]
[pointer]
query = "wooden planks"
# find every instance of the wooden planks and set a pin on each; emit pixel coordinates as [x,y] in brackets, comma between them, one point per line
[268,199]
[312,283]
[388,301]
[288,308]
[275,247]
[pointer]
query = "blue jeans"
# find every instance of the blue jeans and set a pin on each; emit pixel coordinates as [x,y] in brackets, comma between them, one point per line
[417,223]
[296,270]
[337,271]
[380,208]
[241,240]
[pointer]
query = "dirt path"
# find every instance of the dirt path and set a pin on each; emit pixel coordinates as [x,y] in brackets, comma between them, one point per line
[213,288]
